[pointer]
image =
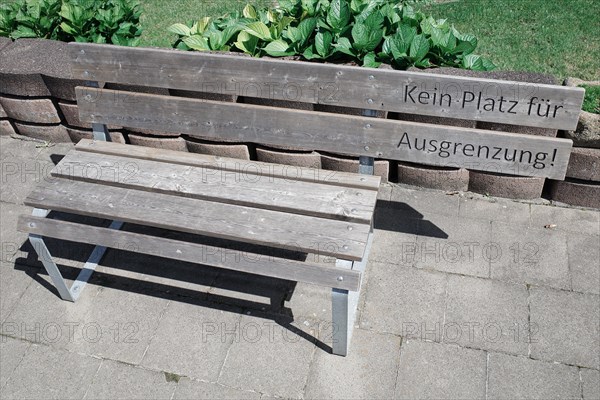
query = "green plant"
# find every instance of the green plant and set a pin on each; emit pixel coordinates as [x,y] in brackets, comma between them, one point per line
[591,100]
[106,21]
[365,31]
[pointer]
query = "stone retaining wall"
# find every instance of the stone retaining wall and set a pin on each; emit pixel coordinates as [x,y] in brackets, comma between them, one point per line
[37,99]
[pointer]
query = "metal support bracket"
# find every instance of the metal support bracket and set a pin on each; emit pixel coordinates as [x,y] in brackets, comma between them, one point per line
[99,131]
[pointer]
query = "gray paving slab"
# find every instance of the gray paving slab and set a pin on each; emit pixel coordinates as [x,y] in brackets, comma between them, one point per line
[368,372]
[20,175]
[115,380]
[497,209]
[486,314]
[192,389]
[565,327]
[590,380]
[11,241]
[440,371]
[13,283]
[49,373]
[463,249]
[531,256]
[385,191]
[397,247]
[404,301]
[12,352]
[192,339]
[516,377]
[584,262]
[425,202]
[566,219]
[118,325]
[268,358]
[16,148]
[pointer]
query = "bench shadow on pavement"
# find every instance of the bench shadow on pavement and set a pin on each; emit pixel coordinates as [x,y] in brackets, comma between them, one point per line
[199,284]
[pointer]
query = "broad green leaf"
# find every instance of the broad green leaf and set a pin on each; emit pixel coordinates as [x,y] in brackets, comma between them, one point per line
[307,28]
[197,42]
[323,43]
[202,25]
[215,39]
[180,29]
[23,32]
[474,62]
[369,61]
[246,42]
[278,48]
[293,34]
[310,54]
[487,64]
[344,46]
[272,16]
[67,28]
[338,15]
[249,12]
[360,35]
[259,30]
[419,48]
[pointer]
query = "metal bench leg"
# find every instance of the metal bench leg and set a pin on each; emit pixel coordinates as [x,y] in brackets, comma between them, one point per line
[46,258]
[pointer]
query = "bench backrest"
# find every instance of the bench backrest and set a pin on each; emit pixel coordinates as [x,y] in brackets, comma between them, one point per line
[371,90]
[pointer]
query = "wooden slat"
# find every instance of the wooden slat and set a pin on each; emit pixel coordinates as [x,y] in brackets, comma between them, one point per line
[297,197]
[408,92]
[244,168]
[271,228]
[195,253]
[472,148]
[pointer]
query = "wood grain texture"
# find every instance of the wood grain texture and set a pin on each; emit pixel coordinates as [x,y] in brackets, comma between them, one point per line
[265,227]
[265,265]
[378,89]
[289,173]
[501,152]
[297,197]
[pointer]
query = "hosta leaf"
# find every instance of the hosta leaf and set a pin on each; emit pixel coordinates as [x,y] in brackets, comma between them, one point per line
[202,25]
[344,46]
[370,62]
[23,32]
[197,42]
[474,62]
[360,35]
[246,42]
[338,15]
[307,28]
[419,48]
[249,12]
[309,53]
[259,30]
[180,29]
[278,48]
[323,43]
[487,64]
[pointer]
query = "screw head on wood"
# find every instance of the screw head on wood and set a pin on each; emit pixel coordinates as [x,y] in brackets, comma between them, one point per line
[370,101]
[367,148]
[340,278]
[371,77]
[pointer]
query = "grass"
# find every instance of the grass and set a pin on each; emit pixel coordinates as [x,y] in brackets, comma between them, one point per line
[591,101]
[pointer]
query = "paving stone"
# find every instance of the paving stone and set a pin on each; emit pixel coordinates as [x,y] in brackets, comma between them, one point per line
[192,389]
[425,202]
[508,186]
[405,301]
[12,352]
[310,303]
[116,380]
[49,133]
[511,377]
[268,358]
[368,372]
[439,371]
[14,280]
[110,330]
[584,164]
[576,193]
[531,256]
[566,327]
[169,143]
[6,128]
[498,209]
[441,178]
[566,219]
[463,248]
[298,159]
[192,339]
[231,150]
[20,175]
[2,112]
[62,88]
[486,314]
[22,84]
[584,264]
[30,110]
[49,373]
[10,239]
[591,383]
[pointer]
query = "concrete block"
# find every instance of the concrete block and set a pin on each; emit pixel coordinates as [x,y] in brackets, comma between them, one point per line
[584,164]
[442,178]
[2,112]
[4,42]
[509,186]
[298,159]
[21,84]
[202,340]
[170,143]
[439,371]
[565,327]
[513,377]
[404,301]
[6,128]
[121,381]
[71,114]
[591,383]
[279,357]
[77,134]
[193,389]
[587,133]
[40,111]
[584,256]
[12,351]
[350,164]
[46,372]
[231,150]
[486,314]
[368,372]
[62,88]
[576,193]
[50,133]
[566,219]
[529,256]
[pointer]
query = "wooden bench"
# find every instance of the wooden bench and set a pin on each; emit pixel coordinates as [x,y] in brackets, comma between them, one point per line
[303,210]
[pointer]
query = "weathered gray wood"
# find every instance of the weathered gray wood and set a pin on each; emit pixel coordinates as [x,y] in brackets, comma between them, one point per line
[297,271]
[325,201]
[245,224]
[408,92]
[472,148]
[248,169]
